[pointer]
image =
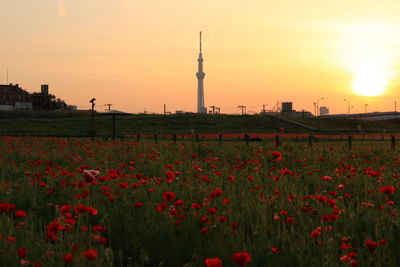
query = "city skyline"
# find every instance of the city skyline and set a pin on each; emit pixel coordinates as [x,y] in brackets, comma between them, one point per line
[140,55]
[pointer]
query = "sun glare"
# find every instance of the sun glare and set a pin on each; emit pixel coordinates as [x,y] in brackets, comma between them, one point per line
[368,54]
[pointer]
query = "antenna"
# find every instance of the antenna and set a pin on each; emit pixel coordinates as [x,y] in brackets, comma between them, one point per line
[200,42]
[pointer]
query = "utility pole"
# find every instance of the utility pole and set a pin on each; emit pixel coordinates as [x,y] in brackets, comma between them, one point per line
[365,110]
[315,109]
[348,106]
[264,110]
[109,106]
[243,109]
[165,109]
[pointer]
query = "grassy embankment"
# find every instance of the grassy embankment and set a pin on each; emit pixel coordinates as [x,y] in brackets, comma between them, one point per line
[79,123]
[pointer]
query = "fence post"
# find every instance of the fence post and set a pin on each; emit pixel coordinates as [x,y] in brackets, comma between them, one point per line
[393,141]
[138,138]
[246,138]
[220,138]
[174,138]
[155,138]
[277,141]
[310,140]
[197,137]
[113,126]
[349,141]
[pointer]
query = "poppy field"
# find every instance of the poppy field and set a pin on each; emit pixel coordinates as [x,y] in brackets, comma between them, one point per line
[77,202]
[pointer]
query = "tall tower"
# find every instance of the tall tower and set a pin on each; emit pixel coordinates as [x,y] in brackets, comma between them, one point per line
[200,86]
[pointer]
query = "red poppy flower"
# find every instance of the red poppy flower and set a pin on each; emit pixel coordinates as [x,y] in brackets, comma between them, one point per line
[68,257]
[275,250]
[170,176]
[382,241]
[90,254]
[22,253]
[388,190]
[217,192]
[212,211]
[169,196]
[65,209]
[213,262]
[326,178]
[277,155]
[289,220]
[20,214]
[195,206]
[371,245]
[241,258]
[315,232]
[286,171]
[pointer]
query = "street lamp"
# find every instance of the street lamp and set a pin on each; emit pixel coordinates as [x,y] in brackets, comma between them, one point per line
[93,104]
[315,109]
[365,110]
[318,102]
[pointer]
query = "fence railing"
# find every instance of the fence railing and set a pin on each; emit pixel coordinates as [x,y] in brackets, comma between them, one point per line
[277,139]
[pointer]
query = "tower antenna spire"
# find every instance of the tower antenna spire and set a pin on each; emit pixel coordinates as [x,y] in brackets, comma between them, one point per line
[200,42]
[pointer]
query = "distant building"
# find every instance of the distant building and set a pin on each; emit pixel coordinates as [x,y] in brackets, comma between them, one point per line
[72,107]
[287,107]
[12,97]
[323,111]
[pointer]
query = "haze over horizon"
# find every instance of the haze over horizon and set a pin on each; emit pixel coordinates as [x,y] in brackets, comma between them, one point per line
[140,55]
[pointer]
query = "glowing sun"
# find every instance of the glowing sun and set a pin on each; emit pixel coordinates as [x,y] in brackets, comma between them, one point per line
[368,54]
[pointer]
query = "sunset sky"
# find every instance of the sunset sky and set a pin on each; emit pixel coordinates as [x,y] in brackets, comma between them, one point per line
[140,54]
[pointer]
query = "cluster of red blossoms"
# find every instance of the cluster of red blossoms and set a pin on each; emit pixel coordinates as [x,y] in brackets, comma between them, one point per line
[239,258]
[202,191]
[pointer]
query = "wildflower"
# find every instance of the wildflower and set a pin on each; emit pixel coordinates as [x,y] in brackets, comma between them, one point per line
[274,250]
[20,214]
[68,257]
[90,254]
[316,232]
[388,190]
[241,258]
[169,196]
[371,245]
[326,178]
[217,192]
[277,155]
[170,176]
[213,262]
[22,253]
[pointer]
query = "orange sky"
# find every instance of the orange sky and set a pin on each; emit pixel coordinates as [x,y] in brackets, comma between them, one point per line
[140,54]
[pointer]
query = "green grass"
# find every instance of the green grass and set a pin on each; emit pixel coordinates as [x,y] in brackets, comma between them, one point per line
[79,123]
